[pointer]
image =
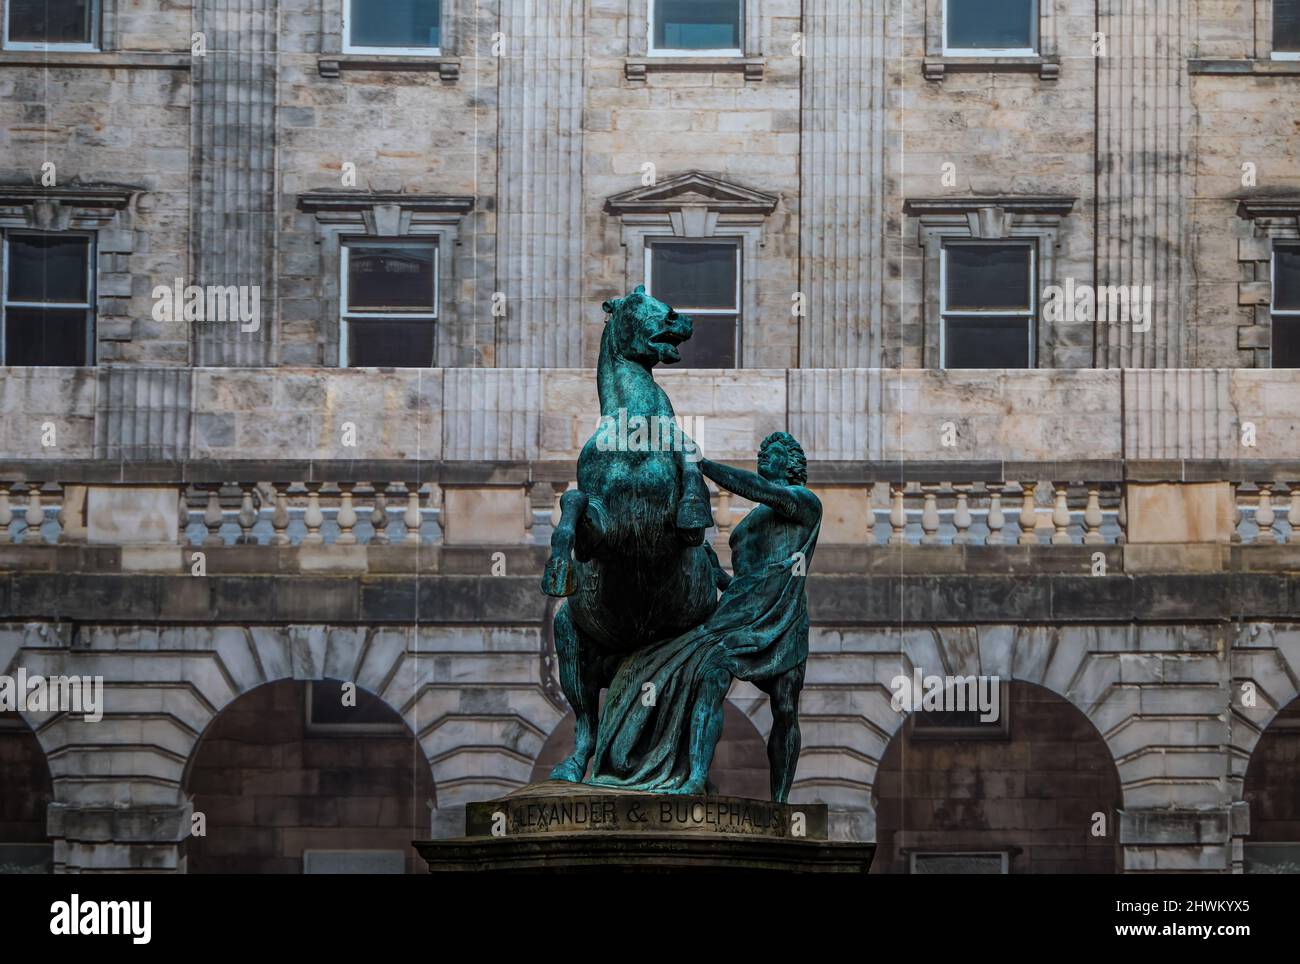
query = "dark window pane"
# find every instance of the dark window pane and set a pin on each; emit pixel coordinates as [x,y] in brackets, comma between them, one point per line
[992,24]
[1286,342]
[390,279]
[327,706]
[1286,25]
[47,268]
[396,23]
[987,343]
[695,275]
[697,24]
[712,344]
[1286,279]
[993,277]
[50,21]
[390,344]
[41,336]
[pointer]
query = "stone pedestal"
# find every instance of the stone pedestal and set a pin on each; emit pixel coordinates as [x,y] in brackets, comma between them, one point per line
[573,828]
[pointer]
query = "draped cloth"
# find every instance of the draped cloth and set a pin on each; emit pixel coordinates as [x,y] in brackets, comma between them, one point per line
[758,632]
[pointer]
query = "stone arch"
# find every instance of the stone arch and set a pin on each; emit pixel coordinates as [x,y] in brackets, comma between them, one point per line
[1265,682]
[739,769]
[286,774]
[26,791]
[1027,792]
[1271,790]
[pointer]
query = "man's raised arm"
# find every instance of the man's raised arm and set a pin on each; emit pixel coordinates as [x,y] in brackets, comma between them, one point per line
[752,486]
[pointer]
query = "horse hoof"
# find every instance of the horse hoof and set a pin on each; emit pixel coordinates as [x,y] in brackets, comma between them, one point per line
[694,514]
[557,579]
[570,771]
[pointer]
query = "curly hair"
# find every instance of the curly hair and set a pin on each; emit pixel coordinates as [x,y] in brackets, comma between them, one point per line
[796,463]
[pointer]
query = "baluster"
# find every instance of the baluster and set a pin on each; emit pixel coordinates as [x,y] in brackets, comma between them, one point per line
[930,516]
[1293,513]
[412,514]
[1092,518]
[280,515]
[1264,515]
[1028,515]
[379,516]
[58,515]
[1061,514]
[6,512]
[247,517]
[35,514]
[346,517]
[558,488]
[897,516]
[213,517]
[961,517]
[722,517]
[314,518]
[996,519]
[183,516]
[1237,514]
[871,515]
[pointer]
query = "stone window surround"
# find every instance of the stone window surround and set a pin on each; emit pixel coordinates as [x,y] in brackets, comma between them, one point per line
[92,211]
[937,64]
[694,205]
[641,60]
[375,216]
[1263,59]
[1036,219]
[1272,220]
[446,62]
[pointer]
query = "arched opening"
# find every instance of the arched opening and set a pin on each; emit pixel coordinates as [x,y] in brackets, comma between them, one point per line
[1272,789]
[290,778]
[739,763]
[1035,791]
[26,790]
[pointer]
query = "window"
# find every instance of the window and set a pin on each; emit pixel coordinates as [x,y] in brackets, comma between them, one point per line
[1286,29]
[36,24]
[390,304]
[337,707]
[392,27]
[702,280]
[990,28]
[47,315]
[987,305]
[1286,307]
[696,26]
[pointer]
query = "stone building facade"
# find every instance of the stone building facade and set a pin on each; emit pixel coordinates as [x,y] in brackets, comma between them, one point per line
[1028,303]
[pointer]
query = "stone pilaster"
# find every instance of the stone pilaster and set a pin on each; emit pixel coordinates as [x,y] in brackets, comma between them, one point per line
[540,226]
[1144,135]
[233,200]
[842,185]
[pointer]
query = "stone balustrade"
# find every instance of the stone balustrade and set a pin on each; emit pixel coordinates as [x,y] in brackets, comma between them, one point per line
[341,513]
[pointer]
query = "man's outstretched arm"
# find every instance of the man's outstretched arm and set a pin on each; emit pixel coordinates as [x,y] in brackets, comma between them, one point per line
[752,486]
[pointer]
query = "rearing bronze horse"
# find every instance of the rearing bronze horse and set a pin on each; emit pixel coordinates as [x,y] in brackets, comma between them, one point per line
[629,550]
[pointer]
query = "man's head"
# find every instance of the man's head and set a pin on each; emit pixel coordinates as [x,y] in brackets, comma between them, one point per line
[642,328]
[781,459]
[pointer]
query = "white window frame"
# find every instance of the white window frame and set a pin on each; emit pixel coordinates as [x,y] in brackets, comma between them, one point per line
[1030,315]
[345,257]
[94,44]
[1032,51]
[88,306]
[737,243]
[654,51]
[1273,309]
[350,48]
[1281,54]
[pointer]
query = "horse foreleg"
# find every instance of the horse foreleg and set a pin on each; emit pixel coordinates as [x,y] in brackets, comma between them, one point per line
[579,667]
[558,577]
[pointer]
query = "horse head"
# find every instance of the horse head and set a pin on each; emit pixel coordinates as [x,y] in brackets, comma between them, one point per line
[643,329]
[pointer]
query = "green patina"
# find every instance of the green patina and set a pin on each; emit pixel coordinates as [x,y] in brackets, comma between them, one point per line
[643,616]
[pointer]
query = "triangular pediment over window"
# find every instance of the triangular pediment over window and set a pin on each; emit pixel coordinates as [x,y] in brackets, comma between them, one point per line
[693,189]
